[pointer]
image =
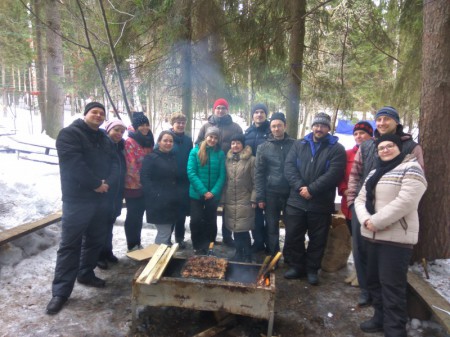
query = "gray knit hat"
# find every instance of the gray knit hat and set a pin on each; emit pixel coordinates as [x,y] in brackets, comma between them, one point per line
[322,118]
[212,130]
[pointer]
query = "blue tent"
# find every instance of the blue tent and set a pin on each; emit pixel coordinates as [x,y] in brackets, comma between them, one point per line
[346,127]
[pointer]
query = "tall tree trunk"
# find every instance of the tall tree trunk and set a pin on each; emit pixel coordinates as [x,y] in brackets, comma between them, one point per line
[297,9]
[186,65]
[55,93]
[40,73]
[434,236]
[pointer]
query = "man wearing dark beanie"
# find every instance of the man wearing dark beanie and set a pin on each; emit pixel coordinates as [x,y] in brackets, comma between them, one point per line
[272,188]
[314,166]
[255,135]
[88,162]
[93,105]
[387,121]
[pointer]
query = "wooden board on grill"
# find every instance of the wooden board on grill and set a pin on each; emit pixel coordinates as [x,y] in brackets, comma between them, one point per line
[206,267]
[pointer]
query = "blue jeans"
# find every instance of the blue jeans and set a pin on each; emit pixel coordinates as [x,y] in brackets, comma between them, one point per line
[83,233]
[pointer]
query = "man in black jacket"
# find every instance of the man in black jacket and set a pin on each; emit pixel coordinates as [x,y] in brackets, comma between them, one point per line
[88,163]
[272,188]
[314,166]
[255,135]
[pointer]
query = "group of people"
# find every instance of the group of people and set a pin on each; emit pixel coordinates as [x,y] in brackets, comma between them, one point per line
[258,176]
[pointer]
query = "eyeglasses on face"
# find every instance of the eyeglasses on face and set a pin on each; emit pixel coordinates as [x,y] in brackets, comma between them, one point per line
[387,147]
[220,107]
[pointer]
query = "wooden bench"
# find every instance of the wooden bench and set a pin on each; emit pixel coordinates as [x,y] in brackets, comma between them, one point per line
[438,305]
[21,230]
[26,148]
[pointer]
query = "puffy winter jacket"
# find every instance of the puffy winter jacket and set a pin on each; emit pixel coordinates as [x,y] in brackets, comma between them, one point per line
[207,178]
[318,168]
[256,135]
[397,196]
[239,192]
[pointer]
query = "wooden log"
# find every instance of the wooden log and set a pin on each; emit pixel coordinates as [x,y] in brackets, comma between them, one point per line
[437,304]
[21,230]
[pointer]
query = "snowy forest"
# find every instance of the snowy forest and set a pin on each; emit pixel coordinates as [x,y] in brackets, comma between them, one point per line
[297,56]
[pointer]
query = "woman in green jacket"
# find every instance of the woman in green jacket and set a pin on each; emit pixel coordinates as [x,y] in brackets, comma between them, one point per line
[206,173]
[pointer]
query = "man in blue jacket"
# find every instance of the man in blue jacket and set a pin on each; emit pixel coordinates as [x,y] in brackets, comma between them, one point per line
[88,164]
[314,166]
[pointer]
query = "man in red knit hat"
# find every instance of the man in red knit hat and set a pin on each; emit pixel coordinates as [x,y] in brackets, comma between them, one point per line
[222,120]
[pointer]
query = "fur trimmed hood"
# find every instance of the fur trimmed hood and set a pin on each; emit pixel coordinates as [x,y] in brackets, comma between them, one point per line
[245,154]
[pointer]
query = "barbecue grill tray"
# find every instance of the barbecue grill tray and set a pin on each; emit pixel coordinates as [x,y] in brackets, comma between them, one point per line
[235,272]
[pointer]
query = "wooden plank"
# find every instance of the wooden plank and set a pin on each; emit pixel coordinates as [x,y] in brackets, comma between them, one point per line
[437,304]
[158,265]
[21,230]
[143,254]
[151,264]
[164,263]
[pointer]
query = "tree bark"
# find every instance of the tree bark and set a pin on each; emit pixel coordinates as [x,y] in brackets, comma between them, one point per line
[434,235]
[297,10]
[40,73]
[55,93]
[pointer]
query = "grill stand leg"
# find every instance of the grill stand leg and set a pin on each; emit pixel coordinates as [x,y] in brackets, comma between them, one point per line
[270,325]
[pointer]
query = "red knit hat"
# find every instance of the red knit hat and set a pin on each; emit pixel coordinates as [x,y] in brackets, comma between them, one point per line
[221,101]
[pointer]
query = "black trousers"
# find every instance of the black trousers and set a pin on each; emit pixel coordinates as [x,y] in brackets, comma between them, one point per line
[203,222]
[133,220]
[83,234]
[298,223]
[275,204]
[259,233]
[387,267]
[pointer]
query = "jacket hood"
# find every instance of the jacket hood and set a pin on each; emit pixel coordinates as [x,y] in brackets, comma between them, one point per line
[220,121]
[245,154]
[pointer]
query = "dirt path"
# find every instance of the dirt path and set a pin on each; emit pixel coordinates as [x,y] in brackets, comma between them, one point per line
[301,310]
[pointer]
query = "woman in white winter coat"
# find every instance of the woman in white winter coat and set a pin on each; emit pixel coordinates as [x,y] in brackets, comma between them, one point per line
[239,196]
[387,210]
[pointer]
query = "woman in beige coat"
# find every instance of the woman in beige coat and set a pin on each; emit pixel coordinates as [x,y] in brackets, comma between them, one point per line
[239,196]
[387,210]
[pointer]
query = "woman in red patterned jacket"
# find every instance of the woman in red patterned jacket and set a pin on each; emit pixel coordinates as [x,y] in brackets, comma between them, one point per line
[139,143]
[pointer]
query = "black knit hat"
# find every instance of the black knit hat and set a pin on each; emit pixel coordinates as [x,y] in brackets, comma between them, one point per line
[278,115]
[92,105]
[139,119]
[363,126]
[238,137]
[390,138]
[260,106]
